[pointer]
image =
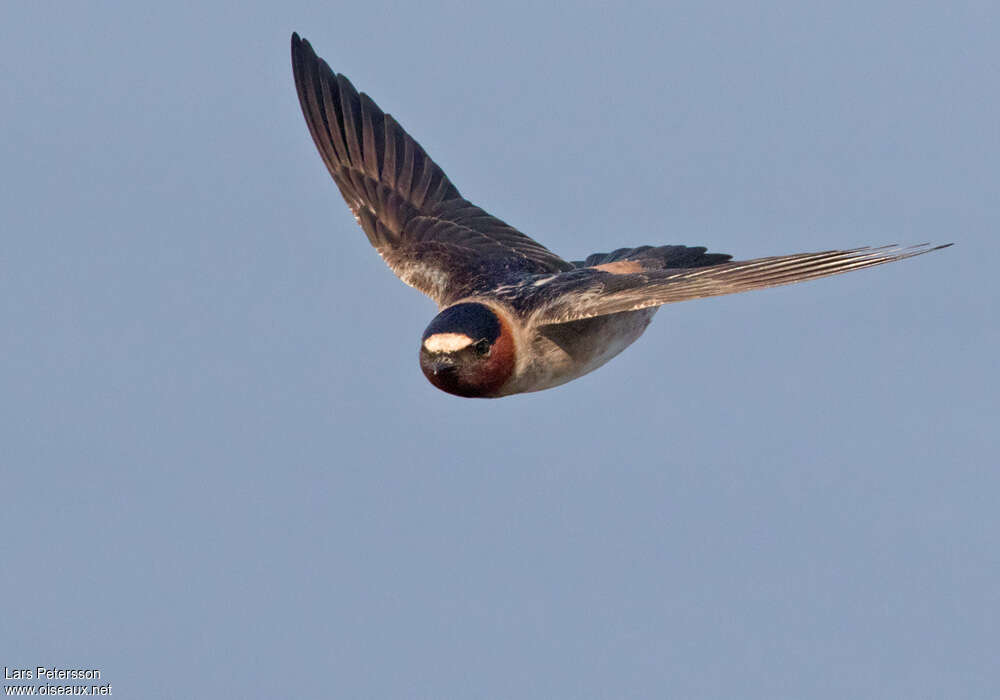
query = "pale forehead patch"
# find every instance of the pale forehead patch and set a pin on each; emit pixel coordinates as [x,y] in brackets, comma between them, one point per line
[447,342]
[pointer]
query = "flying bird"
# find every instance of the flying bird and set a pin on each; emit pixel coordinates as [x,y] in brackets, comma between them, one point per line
[513,316]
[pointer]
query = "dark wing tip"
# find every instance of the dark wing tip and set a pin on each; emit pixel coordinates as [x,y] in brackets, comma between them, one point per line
[302,53]
[903,252]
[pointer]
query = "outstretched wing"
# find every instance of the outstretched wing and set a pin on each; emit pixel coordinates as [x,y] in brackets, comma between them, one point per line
[431,237]
[606,289]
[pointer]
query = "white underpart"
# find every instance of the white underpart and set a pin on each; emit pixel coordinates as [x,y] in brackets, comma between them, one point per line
[447,342]
[571,350]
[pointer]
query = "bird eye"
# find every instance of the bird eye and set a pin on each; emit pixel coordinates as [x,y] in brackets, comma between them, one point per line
[482,347]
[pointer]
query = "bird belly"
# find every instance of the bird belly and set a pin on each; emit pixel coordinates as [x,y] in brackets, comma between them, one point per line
[562,352]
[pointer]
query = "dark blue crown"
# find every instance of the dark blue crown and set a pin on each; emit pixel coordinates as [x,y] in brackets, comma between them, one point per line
[474,320]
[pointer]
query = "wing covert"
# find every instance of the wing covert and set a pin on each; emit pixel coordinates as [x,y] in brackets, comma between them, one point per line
[654,258]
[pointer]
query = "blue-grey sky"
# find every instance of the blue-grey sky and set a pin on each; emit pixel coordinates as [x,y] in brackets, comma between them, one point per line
[224,475]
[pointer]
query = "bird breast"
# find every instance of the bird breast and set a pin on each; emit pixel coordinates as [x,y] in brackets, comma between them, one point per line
[562,352]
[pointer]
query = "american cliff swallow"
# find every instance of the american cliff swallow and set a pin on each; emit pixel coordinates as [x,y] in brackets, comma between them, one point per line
[514,316]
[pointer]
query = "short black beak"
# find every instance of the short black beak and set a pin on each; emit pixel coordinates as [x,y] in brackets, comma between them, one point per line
[442,365]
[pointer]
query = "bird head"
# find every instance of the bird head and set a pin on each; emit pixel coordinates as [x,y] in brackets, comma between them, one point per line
[468,350]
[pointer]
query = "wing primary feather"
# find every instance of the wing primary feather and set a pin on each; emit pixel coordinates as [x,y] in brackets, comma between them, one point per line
[404,183]
[350,107]
[308,88]
[374,144]
[588,292]
[423,183]
[390,147]
[333,119]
